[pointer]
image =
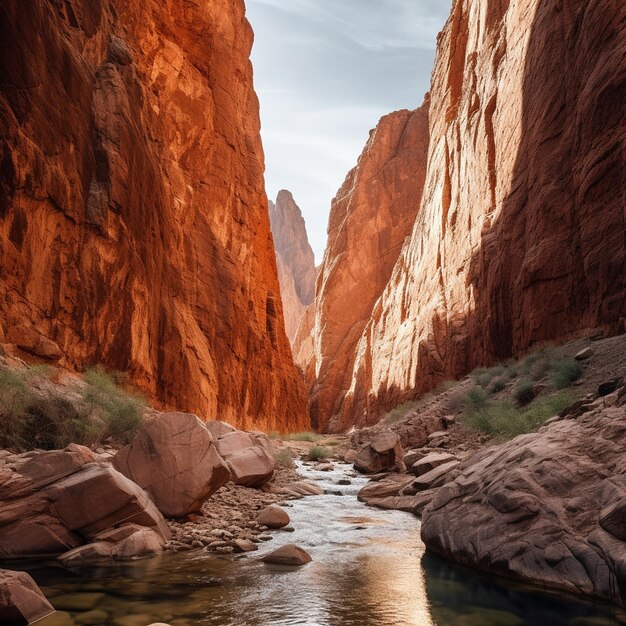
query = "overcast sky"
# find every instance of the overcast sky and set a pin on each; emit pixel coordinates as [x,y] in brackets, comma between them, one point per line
[325,72]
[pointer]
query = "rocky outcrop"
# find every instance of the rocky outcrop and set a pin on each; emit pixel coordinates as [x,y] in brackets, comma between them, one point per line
[175,460]
[519,238]
[370,218]
[21,600]
[295,259]
[247,457]
[382,453]
[547,507]
[133,218]
[52,502]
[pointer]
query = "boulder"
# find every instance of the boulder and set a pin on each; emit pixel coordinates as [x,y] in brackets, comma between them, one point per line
[175,460]
[297,489]
[31,340]
[218,429]
[21,600]
[250,463]
[289,554]
[435,477]
[390,486]
[245,545]
[53,502]
[382,453]
[430,462]
[273,516]
[547,507]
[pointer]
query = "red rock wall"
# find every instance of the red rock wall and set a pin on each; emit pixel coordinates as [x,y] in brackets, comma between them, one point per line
[370,218]
[520,238]
[295,259]
[133,219]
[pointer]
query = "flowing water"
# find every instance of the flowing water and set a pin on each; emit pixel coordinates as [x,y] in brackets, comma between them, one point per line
[369,568]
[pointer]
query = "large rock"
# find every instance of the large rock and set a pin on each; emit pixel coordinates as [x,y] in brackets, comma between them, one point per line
[273,516]
[382,453]
[52,502]
[21,600]
[431,461]
[180,290]
[548,507]
[248,459]
[295,259]
[519,236]
[176,461]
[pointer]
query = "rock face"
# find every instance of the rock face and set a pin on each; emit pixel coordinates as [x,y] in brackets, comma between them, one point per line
[52,502]
[21,600]
[295,260]
[370,218]
[176,461]
[519,238]
[133,218]
[548,507]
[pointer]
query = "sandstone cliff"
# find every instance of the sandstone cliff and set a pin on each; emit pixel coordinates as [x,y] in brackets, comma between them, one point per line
[295,259]
[133,218]
[520,235]
[370,218]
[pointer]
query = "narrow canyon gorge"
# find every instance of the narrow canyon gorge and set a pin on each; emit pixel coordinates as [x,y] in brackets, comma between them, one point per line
[198,425]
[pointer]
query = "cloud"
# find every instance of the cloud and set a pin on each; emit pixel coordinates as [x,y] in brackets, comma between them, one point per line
[325,72]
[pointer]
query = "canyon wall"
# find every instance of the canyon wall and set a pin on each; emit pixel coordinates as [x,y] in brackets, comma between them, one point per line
[133,219]
[520,238]
[295,259]
[370,218]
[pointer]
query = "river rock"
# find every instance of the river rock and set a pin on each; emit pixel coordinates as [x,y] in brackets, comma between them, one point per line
[249,461]
[383,452]
[584,354]
[430,462]
[176,461]
[548,507]
[273,516]
[52,502]
[289,554]
[21,600]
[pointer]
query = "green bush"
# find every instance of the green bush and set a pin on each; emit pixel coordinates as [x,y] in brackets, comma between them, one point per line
[119,411]
[305,436]
[317,453]
[504,420]
[498,384]
[524,392]
[483,376]
[283,458]
[565,372]
[400,412]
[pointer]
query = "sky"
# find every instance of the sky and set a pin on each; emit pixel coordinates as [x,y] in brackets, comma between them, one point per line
[325,72]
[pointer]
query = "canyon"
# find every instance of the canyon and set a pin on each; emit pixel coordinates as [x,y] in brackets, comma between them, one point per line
[295,260]
[133,219]
[518,239]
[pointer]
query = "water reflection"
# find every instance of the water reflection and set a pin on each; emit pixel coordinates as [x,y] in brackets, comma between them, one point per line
[369,568]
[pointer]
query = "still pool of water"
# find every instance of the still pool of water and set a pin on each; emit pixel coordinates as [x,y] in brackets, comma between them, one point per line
[369,568]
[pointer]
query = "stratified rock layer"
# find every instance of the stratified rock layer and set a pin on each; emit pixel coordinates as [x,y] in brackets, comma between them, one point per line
[295,259]
[520,235]
[548,507]
[370,218]
[133,219]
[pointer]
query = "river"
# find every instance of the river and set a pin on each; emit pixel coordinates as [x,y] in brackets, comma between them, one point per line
[369,568]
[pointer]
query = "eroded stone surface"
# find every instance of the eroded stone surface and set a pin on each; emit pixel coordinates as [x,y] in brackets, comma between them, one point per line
[21,600]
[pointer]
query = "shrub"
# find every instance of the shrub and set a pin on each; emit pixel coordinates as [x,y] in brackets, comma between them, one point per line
[498,384]
[504,420]
[119,411]
[483,376]
[540,368]
[317,453]
[524,392]
[400,412]
[283,458]
[475,398]
[305,436]
[565,372]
